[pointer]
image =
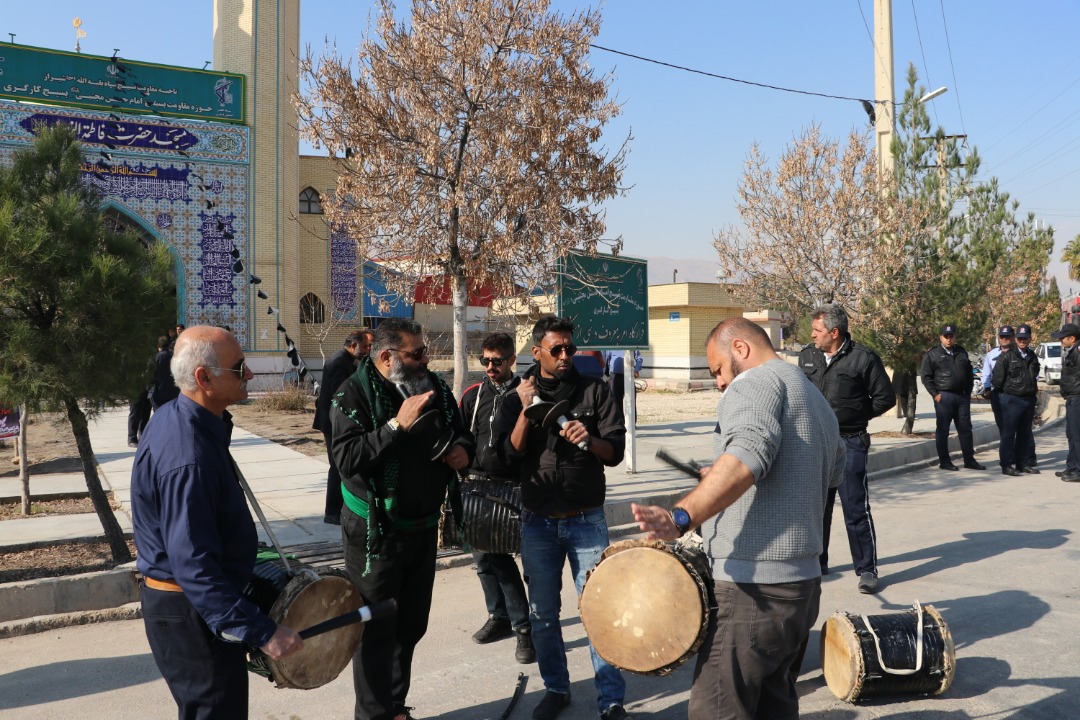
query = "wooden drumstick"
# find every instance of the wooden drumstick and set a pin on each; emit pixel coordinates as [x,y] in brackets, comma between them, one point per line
[375,611]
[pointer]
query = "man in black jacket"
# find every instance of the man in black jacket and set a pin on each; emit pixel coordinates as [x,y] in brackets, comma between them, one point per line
[1015,378]
[853,380]
[1070,390]
[394,489]
[164,388]
[562,494]
[504,591]
[949,378]
[340,366]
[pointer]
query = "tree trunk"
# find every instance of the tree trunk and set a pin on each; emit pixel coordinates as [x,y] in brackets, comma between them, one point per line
[24,462]
[460,292]
[909,411]
[114,535]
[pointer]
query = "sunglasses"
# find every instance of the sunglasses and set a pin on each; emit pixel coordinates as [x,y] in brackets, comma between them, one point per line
[240,369]
[496,361]
[556,350]
[418,354]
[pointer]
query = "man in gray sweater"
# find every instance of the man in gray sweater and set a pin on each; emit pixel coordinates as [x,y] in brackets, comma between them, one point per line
[760,507]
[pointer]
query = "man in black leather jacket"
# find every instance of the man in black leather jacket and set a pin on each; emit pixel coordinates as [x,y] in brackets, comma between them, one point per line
[949,378]
[853,380]
[1014,377]
[1070,390]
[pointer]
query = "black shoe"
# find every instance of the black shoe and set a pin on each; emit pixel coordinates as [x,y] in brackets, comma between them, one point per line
[331,519]
[948,466]
[867,583]
[973,465]
[1011,471]
[1061,473]
[525,653]
[551,705]
[615,712]
[496,628]
[404,714]
[1071,476]
[133,443]
[1030,470]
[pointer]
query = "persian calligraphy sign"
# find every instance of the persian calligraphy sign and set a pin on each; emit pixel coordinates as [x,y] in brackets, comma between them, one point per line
[117,84]
[98,131]
[607,298]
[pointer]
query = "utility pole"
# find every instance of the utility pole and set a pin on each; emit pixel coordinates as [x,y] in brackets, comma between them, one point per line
[884,86]
[943,171]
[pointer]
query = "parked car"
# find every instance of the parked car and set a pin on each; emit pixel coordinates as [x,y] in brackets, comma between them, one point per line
[1049,354]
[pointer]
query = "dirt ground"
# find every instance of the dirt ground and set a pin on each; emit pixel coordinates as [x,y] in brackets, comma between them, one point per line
[51,449]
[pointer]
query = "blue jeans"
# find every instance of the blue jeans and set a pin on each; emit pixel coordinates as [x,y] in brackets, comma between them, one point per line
[546,543]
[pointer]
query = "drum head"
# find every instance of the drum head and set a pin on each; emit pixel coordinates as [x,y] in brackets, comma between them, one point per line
[309,599]
[538,411]
[643,609]
[841,657]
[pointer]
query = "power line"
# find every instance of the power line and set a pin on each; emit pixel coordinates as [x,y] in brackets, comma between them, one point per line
[922,51]
[729,78]
[952,67]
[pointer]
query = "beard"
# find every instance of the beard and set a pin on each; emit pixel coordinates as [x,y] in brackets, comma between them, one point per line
[414,380]
[736,367]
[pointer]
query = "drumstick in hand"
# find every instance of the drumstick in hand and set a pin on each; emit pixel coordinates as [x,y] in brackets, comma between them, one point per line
[375,611]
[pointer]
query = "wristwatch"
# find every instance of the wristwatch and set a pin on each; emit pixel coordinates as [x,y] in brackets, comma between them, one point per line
[393,424]
[681,518]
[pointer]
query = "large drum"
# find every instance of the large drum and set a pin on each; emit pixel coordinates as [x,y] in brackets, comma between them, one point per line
[299,601]
[645,607]
[492,512]
[908,652]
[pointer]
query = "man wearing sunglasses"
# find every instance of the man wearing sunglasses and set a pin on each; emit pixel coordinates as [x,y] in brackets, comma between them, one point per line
[195,537]
[340,366]
[504,592]
[394,488]
[562,494]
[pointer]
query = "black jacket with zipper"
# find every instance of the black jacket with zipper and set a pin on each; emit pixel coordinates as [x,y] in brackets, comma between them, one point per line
[855,383]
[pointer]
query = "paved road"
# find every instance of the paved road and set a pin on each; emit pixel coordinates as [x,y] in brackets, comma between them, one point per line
[995,554]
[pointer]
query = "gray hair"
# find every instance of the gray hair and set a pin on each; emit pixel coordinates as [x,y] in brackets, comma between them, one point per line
[191,355]
[834,317]
[388,335]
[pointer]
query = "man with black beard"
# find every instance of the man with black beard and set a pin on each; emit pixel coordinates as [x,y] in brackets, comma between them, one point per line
[394,490]
[562,497]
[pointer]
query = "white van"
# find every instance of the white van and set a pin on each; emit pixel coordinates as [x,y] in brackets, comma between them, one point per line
[1049,354]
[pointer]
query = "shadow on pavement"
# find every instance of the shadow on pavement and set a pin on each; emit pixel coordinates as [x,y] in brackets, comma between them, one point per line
[973,548]
[74,678]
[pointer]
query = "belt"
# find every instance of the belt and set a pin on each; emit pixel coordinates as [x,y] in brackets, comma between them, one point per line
[572,513]
[166,585]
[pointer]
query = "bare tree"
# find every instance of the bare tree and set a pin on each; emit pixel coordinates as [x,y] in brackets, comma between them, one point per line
[469,139]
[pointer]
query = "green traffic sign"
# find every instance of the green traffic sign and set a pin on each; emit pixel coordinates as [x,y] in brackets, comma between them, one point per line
[607,299]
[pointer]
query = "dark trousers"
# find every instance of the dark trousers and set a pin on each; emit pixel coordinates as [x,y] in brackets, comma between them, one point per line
[954,408]
[995,405]
[382,665]
[207,676]
[504,591]
[743,669]
[1017,414]
[854,494]
[334,500]
[1072,433]
[138,416]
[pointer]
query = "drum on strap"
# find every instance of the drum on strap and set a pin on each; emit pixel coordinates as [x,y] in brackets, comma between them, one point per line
[909,652]
[645,607]
[492,515]
[301,600]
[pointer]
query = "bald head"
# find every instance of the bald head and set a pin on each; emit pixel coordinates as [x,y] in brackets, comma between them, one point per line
[734,346]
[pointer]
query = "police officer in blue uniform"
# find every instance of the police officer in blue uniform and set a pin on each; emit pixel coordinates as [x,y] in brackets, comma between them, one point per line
[1014,377]
[949,378]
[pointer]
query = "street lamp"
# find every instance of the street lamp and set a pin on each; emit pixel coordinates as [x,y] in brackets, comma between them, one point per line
[674,274]
[933,94]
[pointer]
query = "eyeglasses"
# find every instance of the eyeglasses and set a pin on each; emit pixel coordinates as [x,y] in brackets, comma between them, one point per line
[418,354]
[496,361]
[240,369]
[556,350]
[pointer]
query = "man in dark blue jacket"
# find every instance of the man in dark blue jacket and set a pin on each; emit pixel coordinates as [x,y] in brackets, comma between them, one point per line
[853,380]
[1015,378]
[949,378]
[195,538]
[1070,390]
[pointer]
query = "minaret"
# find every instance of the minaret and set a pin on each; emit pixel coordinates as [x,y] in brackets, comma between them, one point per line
[260,39]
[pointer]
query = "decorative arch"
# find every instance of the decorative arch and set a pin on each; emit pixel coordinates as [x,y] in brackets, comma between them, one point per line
[312,310]
[120,217]
[310,202]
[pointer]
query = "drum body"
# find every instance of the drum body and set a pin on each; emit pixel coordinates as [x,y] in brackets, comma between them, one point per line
[492,512]
[306,598]
[645,607]
[865,656]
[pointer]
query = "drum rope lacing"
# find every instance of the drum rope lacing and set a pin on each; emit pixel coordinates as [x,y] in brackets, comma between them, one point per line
[918,644]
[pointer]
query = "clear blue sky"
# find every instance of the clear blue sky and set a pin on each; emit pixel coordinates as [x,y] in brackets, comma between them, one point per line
[1012,79]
